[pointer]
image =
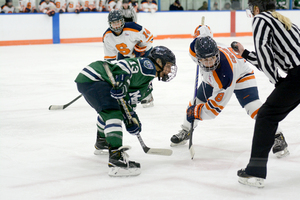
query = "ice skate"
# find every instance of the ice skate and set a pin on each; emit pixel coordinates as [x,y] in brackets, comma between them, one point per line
[148,101]
[280,146]
[181,138]
[101,146]
[249,180]
[119,165]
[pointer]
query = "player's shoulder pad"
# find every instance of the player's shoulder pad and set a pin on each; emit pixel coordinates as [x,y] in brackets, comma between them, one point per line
[147,67]
[192,48]
[225,72]
[132,25]
[106,32]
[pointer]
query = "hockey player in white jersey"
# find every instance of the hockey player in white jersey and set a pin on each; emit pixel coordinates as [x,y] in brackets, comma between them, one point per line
[126,40]
[47,7]
[73,6]
[113,5]
[88,5]
[27,6]
[224,73]
[7,7]
[100,5]
[61,6]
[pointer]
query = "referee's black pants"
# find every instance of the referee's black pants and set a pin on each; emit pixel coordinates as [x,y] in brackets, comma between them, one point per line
[284,98]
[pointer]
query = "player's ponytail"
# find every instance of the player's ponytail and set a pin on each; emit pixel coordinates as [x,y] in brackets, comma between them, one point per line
[286,21]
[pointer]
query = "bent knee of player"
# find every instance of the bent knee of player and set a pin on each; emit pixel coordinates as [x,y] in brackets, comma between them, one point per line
[252,108]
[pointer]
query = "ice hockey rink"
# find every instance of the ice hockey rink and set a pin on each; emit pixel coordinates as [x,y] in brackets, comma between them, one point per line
[49,154]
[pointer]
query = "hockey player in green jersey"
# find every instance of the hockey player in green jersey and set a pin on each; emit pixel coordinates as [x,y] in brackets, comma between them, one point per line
[132,76]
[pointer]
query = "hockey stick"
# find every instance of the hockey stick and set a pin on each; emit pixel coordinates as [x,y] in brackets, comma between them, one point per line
[191,147]
[61,107]
[165,152]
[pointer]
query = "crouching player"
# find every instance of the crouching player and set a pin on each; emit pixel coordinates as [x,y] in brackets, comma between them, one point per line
[132,76]
[223,73]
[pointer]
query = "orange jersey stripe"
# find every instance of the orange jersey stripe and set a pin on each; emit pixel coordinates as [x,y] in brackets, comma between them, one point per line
[215,104]
[110,57]
[246,79]
[130,29]
[192,53]
[254,114]
[211,110]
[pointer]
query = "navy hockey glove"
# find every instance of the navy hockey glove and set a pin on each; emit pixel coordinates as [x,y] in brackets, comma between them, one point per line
[120,89]
[193,112]
[50,13]
[77,11]
[135,127]
[61,11]
[27,10]
[139,51]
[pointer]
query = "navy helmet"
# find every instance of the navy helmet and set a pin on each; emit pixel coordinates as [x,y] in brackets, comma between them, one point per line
[116,15]
[206,47]
[166,56]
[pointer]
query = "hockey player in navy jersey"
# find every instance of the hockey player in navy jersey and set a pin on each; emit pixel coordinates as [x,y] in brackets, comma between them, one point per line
[133,76]
[224,73]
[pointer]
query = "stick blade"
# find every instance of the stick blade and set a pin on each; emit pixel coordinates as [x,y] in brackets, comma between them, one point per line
[56,107]
[163,152]
[192,151]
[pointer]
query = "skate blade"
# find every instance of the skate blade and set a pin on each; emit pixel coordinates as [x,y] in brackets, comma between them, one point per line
[252,181]
[178,144]
[123,172]
[148,105]
[281,154]
[101,152]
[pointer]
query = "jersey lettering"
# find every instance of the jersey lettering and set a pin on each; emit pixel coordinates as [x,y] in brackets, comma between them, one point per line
[146,33]
[219,97]
[57,4]
[230,55]
[29,5]
[122,48]
[134,97]
[134,67]
[71,5]
[237,55]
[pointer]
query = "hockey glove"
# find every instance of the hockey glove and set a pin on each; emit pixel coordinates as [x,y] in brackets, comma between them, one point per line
[193,112]
[50,13]
[61,11]
[120,89]
[139,51]
[77,11]
[134,127]
[34,11]
[27,10]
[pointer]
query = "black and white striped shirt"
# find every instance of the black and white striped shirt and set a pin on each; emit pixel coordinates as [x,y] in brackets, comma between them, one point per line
[129,14]
[275,46]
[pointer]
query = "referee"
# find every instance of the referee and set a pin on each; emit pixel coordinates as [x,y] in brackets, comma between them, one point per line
[277,45]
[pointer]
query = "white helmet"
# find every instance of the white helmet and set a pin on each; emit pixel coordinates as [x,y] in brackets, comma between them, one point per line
[203,31]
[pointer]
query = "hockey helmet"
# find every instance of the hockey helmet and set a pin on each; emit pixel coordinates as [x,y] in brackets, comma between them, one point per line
[263,5]
[113,16]
[167,59]
[202,31]
[206,47]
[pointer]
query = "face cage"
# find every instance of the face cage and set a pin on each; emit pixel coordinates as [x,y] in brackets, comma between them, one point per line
[171,75]
[118,29]
[208,69]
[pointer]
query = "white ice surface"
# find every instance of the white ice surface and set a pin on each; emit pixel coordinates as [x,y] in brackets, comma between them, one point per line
[49,154]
